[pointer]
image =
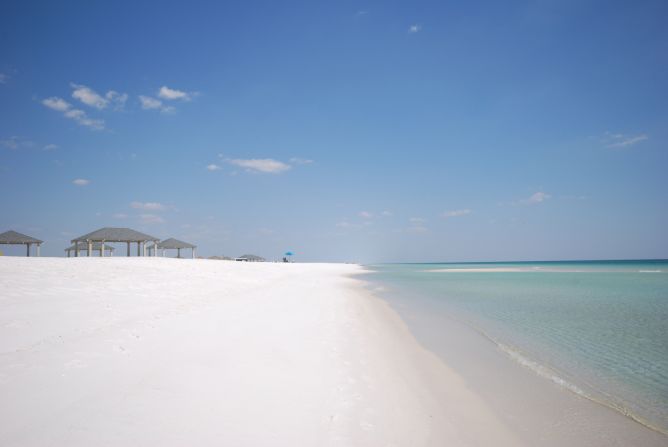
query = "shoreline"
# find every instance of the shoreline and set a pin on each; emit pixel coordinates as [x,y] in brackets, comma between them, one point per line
[531,404]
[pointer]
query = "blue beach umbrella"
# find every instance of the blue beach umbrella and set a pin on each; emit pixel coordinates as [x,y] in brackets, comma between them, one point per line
[288,253]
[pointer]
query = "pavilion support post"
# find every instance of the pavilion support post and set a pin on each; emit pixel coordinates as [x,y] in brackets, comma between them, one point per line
[138,248]
[178,253]
[28,250]
[38,245]
[193,252]
[155,249]
[143,251]
[102,249]
[128,249]
[76,249]
[90,248]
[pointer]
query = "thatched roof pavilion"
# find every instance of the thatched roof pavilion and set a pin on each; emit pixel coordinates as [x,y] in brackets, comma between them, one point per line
[14,238]
[82,246]
[175,244]
[109,234]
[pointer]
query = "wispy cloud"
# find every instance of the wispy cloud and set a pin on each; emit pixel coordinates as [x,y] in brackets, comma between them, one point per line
[91,98]
[173,94]
[365,215]
[151,219]
[300,161]
[51,147]
[620,140]
[4,77]
[417,225]
[414,29]
[57,104]
[88,96]
[149,103]
[60,105]
[264,165]
[213,167]
[120,216]
[117,99]
[15,143]
[456,213]
[81,181]
[535,198]
[361,13]
[148,206]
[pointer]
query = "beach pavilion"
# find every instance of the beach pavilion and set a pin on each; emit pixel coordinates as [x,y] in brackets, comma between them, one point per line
[174,244]
[96,247]
[14,238]
[107,234]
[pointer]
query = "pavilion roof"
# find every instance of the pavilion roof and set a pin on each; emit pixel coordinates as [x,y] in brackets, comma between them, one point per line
[13,237]
[84,246]
[109,234]
[175,243]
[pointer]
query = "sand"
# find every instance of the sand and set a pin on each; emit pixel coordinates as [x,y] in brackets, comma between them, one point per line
[132,351]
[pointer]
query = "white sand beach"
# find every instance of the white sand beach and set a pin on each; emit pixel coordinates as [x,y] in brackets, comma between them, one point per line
[141,351]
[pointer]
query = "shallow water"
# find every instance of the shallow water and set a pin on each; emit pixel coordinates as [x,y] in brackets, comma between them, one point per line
[597,328]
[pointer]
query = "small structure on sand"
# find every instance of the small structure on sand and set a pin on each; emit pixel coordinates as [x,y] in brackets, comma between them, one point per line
[82,246]
[175,244]
[107,234]
[250,258]
[14,238]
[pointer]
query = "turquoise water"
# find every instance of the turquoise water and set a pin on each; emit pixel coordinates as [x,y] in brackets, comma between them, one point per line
[599,328]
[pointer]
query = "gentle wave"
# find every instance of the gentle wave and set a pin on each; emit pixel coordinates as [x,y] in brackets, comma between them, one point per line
[549,373]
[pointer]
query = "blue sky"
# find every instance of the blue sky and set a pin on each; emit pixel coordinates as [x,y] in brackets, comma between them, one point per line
[347,130]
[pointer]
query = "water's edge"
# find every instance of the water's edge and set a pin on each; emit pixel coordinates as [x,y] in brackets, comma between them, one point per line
[546,373]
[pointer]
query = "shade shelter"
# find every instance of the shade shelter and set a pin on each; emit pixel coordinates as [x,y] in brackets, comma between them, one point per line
[107,234]
[250,258]
[14,238]
[82,246]
[175,244]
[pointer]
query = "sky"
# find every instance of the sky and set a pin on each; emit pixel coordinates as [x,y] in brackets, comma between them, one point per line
[362,131]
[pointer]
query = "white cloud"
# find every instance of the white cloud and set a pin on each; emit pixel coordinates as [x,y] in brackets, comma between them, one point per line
[456,213]
[120,216]
[213,167]
[173,94]
[81,182]
[148,206]
[535,198]
[149,103]
[60,105]
[51,147]
[4,78]
[118,99]
[151,219]
[620,140]
[415,28]
[266,165]
[88,96]
[365,214]
[387,213]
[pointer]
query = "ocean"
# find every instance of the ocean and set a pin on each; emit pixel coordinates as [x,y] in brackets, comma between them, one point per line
[597,328]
